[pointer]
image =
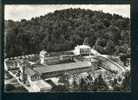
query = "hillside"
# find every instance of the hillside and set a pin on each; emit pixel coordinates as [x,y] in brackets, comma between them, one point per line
[64,29]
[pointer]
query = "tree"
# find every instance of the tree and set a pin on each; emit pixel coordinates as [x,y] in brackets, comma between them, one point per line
[63,30]
[86,41]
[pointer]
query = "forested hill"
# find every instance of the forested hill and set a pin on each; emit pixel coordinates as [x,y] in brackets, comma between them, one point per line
[64,29]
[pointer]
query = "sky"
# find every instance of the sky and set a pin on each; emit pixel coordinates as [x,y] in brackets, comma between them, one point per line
[18,12]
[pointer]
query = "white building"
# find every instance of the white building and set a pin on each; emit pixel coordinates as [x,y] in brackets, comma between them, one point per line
[82,50]
[40,86]
[42,55]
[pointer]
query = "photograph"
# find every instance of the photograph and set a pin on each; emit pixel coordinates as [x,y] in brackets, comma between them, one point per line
[67,48]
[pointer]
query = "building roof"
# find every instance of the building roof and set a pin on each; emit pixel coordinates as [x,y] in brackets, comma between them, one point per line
[41,84]
[83,46]
[61,67]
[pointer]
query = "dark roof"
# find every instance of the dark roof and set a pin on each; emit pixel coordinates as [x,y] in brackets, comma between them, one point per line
[61,67]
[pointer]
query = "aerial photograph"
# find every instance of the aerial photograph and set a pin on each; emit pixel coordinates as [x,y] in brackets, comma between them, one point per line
[67,48]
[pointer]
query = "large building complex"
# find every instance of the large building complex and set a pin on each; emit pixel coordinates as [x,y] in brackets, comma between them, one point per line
[32,75]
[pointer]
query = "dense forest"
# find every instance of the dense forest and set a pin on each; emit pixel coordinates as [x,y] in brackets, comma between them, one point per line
[64,29]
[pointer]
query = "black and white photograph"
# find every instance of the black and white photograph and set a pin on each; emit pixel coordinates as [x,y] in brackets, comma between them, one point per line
[67,48]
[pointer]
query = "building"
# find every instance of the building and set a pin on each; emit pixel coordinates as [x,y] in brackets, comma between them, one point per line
[47,71]
[40,86]
[32,75]
[82,50]
[42,56]
[45,59]
[33,79]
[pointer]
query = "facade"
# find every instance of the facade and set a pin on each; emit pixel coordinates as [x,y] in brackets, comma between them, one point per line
[51,60]
[82,50]
[42,56]
[32,75]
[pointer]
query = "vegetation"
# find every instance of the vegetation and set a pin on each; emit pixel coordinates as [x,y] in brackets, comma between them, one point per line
[64,29]
[13,88]
[90,83]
